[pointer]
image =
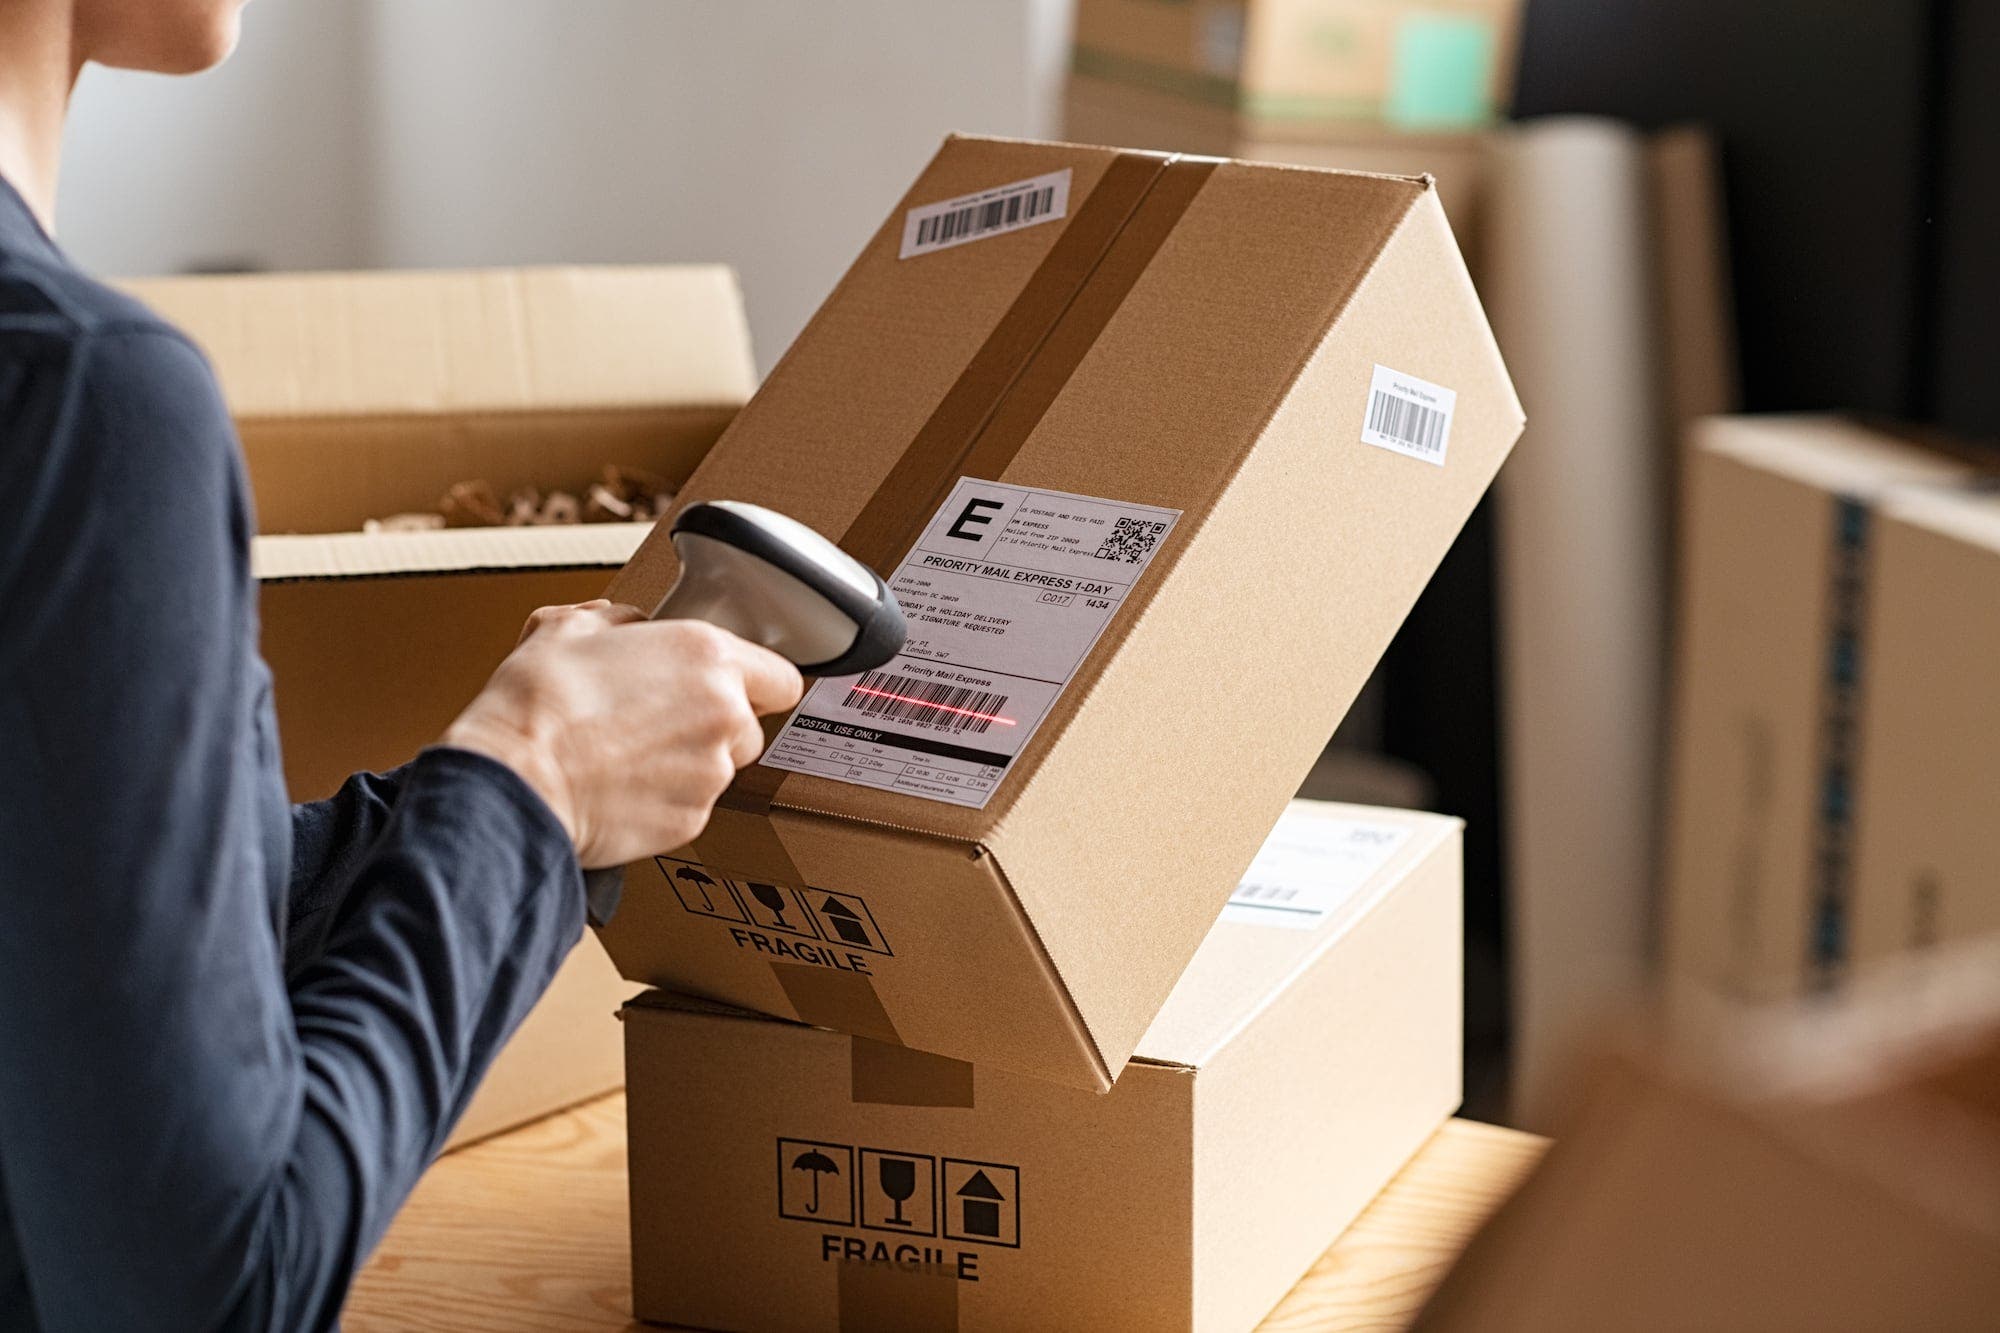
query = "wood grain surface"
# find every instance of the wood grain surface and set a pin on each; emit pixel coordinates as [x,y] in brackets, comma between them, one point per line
[527,1231]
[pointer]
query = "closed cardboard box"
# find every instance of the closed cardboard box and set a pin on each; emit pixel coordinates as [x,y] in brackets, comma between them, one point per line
[1440,63]
[359,395]
[1927,846]
[1783,621]
[803,1178]
[1156,453]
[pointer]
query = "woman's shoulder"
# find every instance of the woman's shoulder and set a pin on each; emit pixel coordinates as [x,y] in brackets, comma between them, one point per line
[58,324]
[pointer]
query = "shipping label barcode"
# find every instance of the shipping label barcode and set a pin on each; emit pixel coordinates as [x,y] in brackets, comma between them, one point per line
[993,212]
[1408,416]
[888,697]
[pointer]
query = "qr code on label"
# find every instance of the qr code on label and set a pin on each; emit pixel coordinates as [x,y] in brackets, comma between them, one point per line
[1132,540]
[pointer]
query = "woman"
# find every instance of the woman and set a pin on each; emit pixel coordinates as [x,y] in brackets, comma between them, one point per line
[233,1031]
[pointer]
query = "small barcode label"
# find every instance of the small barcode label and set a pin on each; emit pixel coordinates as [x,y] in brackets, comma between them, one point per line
[888,697]
[973,217]
[1408,415]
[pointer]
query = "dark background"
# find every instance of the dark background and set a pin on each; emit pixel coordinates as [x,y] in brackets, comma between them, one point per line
[1860,147]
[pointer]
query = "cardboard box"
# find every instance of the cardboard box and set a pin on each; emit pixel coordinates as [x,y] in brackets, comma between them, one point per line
[365,394]
[1774,670]
[360,395]
[1154,546]
[1132,115]
[1436,64]
[1837,1167]
[1926,852]
[1311,1048]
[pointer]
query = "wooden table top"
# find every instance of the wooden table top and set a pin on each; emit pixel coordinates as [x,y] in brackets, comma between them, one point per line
[527,1231]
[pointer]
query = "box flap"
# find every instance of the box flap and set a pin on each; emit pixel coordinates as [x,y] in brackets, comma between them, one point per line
[345,555]
[1246,965]
[316,345]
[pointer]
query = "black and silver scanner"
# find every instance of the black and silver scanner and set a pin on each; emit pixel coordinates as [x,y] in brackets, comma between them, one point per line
[774,581]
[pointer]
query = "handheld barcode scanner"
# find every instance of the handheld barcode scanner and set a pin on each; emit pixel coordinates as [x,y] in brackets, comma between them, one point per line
[776,582]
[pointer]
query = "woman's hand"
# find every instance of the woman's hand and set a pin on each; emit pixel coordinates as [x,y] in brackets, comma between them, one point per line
[629,728]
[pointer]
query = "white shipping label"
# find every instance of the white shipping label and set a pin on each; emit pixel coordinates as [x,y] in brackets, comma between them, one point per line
[974,217]
[1006,592]
[1408,415]
[1310,868]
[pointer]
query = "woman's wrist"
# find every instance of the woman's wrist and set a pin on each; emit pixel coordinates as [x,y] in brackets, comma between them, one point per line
[529,760]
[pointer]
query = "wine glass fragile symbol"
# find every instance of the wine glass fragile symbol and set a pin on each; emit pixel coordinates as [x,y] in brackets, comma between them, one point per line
[899,1182]
[773,898]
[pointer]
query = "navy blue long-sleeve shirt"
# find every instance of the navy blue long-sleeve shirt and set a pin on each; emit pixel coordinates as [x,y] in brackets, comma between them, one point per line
[232,1031]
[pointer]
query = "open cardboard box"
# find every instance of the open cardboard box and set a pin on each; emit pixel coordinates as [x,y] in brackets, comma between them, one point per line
[359,395]
[1157,453]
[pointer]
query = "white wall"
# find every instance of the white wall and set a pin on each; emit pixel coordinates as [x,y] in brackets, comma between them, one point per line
[769,134]
[256,162]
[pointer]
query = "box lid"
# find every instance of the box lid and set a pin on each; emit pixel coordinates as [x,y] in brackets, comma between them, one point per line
[1336,862]
[312,345]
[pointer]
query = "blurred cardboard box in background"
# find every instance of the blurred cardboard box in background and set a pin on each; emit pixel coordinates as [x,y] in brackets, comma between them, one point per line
[1828,1165]
[1927,805]
[1833,741]
[1157,454]
[1134,115]
[1441,64]
[361,395]
[1311,1048]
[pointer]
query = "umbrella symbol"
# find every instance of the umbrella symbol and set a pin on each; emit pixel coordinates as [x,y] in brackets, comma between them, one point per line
[818,1164]
[701,882]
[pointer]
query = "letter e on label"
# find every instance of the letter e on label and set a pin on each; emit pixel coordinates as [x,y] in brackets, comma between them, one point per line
[971,517]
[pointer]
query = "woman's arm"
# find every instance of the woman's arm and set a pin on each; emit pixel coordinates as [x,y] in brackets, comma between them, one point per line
[186,1142]
[187,1139]
[330,839]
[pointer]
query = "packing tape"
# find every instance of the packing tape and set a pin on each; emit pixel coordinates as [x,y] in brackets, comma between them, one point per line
[1849,564]
[879,1297]
[884,1075]
[1005,389]
[746,844]
[843,1001]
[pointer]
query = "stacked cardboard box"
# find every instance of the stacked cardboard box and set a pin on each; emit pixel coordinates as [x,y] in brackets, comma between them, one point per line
[1157,452]
[1311,1047]
[364,395]
[1834,747]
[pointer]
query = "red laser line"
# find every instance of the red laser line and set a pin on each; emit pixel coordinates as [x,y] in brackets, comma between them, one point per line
[942,708]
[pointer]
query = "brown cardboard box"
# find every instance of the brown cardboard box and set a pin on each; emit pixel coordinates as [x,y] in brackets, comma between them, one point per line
[1311,1048]
[1778,609]
[1926,848]
[1833,1167]
[1438,63]
[361,395]
[1132,115]
[1128,447]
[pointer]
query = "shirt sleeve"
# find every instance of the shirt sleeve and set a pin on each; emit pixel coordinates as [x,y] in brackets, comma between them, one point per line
[187,1140]
[330,841]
